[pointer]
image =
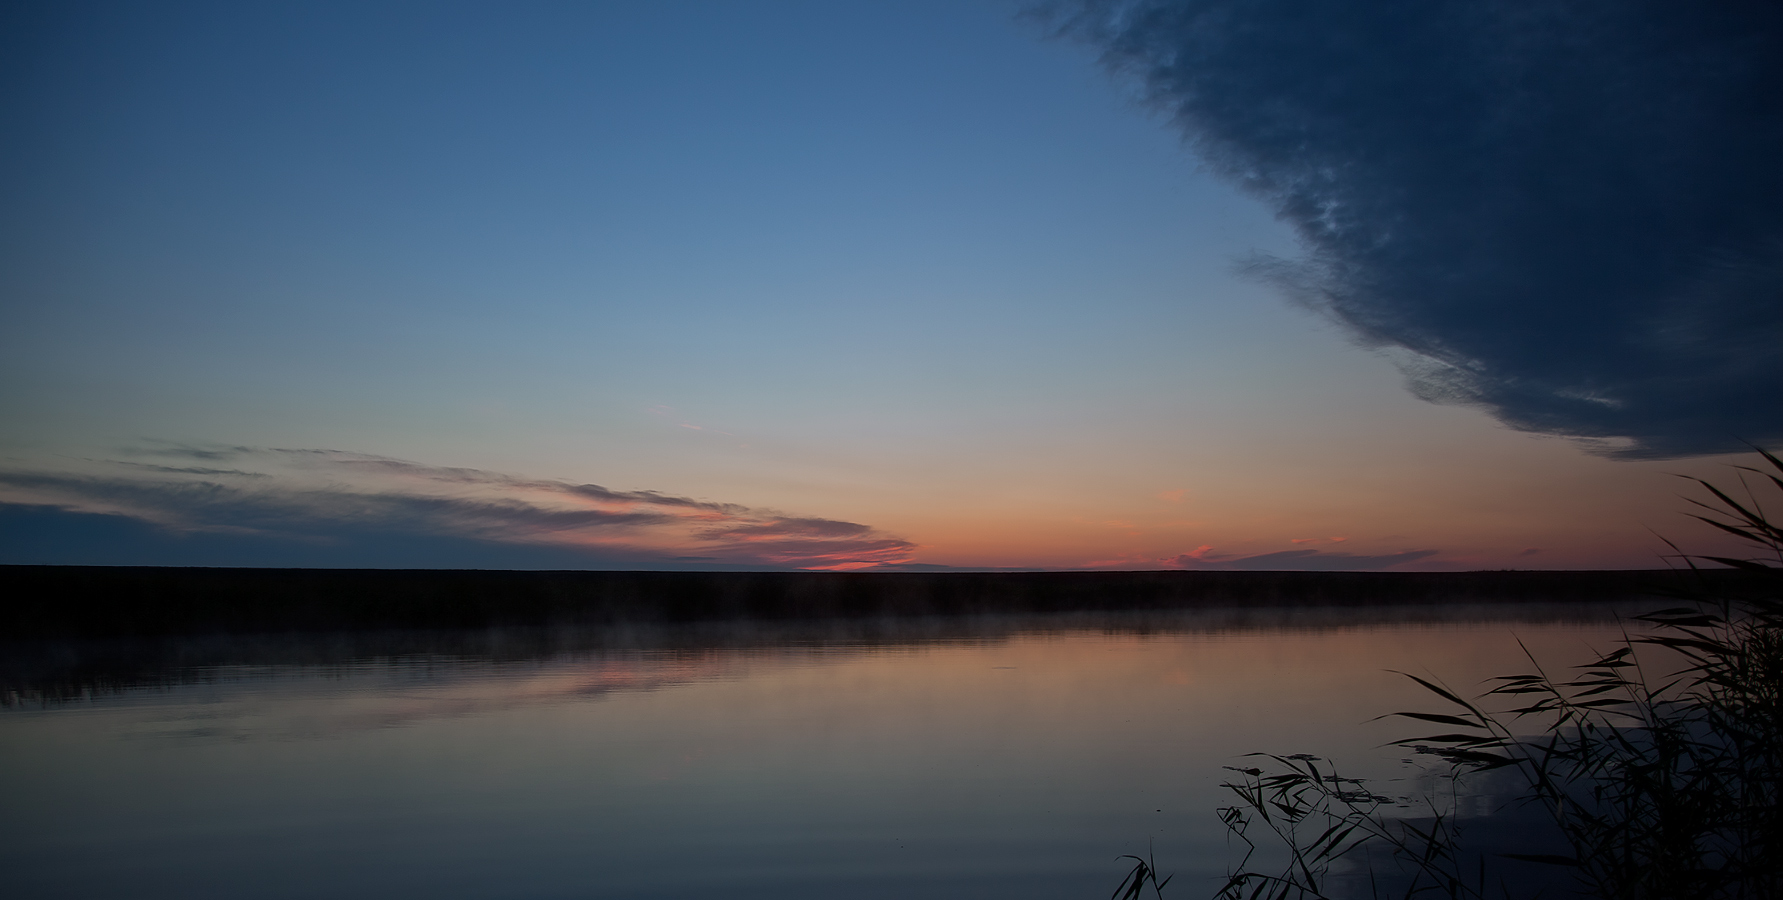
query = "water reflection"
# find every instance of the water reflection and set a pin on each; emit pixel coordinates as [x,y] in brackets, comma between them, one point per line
[51,671]
[989,756]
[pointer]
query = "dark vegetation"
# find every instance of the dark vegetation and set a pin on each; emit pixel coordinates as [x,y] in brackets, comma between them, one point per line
[55,670]
[71,632]
[95,601]
[1654,769]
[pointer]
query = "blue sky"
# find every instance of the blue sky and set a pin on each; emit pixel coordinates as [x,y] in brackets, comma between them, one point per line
[912,267]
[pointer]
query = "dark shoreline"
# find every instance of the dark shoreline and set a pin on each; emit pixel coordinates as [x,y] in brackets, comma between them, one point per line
[104,601]
[70,632]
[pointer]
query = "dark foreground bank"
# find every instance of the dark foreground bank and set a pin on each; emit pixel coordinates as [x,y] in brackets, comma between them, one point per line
[95,601]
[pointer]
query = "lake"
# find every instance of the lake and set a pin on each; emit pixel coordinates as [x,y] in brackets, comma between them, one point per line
[985,757]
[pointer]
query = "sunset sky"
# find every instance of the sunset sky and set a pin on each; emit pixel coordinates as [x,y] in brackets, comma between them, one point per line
[883,284]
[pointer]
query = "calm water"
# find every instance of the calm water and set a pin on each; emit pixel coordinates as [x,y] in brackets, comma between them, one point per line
[989,758]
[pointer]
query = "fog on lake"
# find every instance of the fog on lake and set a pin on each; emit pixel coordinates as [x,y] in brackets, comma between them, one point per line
[976,757]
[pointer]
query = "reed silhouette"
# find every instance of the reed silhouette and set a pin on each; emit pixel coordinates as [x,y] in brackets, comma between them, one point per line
[1657,764]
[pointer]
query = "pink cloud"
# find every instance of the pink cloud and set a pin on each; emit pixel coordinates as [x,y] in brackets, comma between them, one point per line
[312,494]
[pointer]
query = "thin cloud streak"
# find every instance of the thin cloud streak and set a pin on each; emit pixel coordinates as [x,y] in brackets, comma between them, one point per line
[1305,560]
[1568,214]
[314,495]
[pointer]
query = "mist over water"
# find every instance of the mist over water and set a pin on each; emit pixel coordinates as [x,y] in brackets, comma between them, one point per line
[985,757]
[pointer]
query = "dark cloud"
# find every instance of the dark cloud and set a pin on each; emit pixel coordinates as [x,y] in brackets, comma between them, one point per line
[820,543]
[346,459]
[355,509]
[786,527]
[1301,561]
[1567,213]
[55,535]
[192,470]
[182,451]
[211,505]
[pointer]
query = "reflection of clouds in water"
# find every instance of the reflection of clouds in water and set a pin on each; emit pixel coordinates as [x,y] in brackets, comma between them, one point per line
[1031,742]
[330,700]
[54,673]
[300,705]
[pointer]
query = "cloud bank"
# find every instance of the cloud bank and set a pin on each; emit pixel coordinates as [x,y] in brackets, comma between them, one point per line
[267,506]
[1569,214]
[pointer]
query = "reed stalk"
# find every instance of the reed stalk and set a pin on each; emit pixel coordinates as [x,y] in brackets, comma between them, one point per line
[1662,783]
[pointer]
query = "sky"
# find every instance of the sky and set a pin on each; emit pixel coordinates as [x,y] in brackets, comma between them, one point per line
[1273,284]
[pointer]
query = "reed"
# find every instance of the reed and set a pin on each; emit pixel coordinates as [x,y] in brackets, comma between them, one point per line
[1661,781]
[1144,872]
